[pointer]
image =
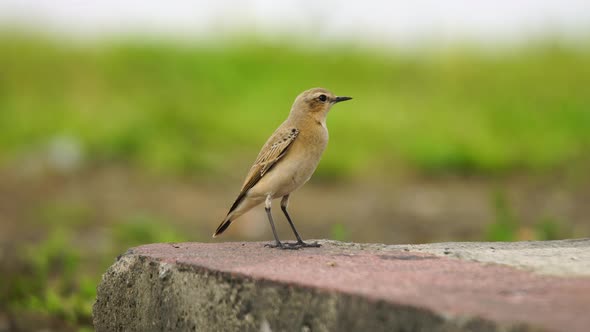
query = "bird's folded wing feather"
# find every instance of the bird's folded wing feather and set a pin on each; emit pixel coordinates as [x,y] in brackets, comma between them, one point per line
[274,149]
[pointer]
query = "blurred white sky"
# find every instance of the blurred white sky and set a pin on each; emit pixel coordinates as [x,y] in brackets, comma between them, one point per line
[373,21]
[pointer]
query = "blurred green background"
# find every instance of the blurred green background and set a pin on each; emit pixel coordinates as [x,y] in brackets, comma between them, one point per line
[111,144]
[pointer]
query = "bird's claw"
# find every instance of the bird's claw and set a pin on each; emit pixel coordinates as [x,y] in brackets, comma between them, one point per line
[301,244]
[280,245]
[293,246]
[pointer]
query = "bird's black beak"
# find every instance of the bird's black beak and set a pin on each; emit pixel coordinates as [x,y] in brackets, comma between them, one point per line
[339,99]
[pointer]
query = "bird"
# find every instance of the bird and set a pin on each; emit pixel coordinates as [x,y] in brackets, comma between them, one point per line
[286,162]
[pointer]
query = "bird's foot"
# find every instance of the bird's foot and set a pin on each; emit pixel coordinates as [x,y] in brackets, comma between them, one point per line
[280,245]
[301,244]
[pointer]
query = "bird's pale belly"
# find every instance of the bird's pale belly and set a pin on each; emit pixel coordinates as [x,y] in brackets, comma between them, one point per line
[286,177]
[299,175]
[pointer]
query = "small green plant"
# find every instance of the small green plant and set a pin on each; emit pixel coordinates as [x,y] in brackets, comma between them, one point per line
[505,226]
[551,229]
[339,232]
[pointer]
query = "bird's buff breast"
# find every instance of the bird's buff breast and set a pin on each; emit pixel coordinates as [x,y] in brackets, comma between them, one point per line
[293,171]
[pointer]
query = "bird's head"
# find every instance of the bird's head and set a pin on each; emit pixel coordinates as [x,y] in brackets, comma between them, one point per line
[316,101]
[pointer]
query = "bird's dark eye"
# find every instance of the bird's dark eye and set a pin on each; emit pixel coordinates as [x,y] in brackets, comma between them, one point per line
[322,97]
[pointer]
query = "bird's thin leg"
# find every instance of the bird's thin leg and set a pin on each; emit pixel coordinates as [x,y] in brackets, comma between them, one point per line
[284,204]
[277,243]
[300,243]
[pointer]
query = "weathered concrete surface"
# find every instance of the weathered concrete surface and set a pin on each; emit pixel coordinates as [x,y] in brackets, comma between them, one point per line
[344,287]
[562,257]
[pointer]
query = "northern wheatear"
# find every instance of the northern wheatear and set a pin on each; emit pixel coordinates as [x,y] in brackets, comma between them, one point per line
[287,161]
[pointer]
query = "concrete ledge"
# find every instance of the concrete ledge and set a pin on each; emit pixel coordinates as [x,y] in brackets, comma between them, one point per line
[348,287]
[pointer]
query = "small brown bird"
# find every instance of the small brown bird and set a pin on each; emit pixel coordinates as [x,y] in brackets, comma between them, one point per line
[287,161]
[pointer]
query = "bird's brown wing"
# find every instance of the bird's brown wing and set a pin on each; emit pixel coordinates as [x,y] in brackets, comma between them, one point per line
[272,151]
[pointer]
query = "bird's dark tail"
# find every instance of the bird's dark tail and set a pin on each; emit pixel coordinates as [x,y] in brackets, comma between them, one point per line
[230,215]
[222,227]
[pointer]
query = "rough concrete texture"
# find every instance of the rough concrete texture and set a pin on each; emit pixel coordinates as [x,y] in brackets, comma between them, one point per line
[562,257]
[345,287]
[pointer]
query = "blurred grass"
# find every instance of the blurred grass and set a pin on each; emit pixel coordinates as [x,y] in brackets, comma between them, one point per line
[57,277]
[508,226]
[181,109]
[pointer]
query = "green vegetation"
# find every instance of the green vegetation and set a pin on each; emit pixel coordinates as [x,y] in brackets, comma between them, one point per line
[339,232]
[507,226]
[57,278]
[196,108]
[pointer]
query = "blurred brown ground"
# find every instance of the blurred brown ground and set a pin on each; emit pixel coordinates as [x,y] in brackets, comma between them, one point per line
[412,210]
